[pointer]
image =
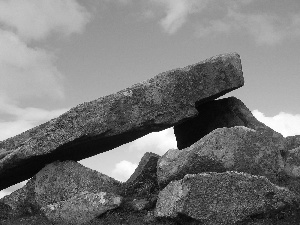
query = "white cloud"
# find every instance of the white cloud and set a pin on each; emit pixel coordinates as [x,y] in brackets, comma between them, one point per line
[156,142]
[123,170]
[30,71]
[284,123]
[177,12]
[36,19]
[27,72]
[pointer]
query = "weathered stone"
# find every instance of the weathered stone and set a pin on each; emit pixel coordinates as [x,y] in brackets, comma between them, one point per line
[143,182]
[22,201]
[5,211]
[292,170]
[227,112]
[81,208]
[108,122]
[238,148]
[292,142]
[224,198]
[58,181]
[139,204]
[292,163]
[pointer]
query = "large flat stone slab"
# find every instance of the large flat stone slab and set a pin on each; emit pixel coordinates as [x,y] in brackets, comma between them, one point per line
[108,122]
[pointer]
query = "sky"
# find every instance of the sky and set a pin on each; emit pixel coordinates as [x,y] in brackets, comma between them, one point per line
[56,54]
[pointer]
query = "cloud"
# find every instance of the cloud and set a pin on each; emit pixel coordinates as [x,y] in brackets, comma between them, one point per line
[26,71]
[29,72]
[177,12]
[284,123]
[36,19]
[156,142]
[266,28]
[226,17]
[123,170]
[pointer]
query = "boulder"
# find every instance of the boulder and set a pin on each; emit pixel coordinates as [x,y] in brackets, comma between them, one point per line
[143,182]
[227,112]
[81,208]
[225,198]
[238,148]
[108,122]
[57,182]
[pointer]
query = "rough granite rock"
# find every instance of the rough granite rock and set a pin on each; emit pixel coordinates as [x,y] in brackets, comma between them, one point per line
[58,181]
[238,148]
[143,182]
[224,198]
[292,171]
[227,112]
[292,142]
[21,202]
[81,208]
[108,122]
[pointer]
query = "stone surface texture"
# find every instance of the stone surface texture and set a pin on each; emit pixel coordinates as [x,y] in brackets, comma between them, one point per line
[81,208]
[238,148]
[58,181]
[223,198]
[227,112]
[108,122]
[292,142]
[143,182]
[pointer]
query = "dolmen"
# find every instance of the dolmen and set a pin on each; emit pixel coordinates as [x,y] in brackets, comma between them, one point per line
[229,168]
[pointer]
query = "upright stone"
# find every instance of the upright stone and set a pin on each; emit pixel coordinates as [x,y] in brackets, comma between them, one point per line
[108,122]
[227,112]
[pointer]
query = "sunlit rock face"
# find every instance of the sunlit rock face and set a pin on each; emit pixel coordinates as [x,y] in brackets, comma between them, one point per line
[224,149]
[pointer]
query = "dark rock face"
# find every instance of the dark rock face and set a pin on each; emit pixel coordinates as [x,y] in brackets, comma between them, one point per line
[143,182]
[292,142]
[292,170]
[227,112]
[108,122]
[238,148]
[224,198]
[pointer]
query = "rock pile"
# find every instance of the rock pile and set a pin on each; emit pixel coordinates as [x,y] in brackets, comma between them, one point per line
[228,169]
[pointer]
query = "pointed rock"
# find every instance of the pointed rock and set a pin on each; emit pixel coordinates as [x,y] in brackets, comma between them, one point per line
[238,148]
[225,198]
[108,122]
[227,112]
[58,181]
[143,182]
